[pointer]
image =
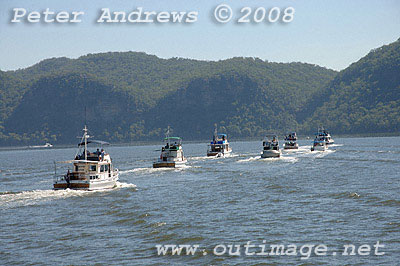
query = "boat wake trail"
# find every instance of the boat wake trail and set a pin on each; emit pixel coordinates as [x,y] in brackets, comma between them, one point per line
[306,152]
[147,170]
[320,154]
[202,158]
[335,145]
[124,185]
[231,155]
[289,159]
[150,170]
[302,149]
[258,158]
[249,159]
[25,198]
[134,170]
[198,158]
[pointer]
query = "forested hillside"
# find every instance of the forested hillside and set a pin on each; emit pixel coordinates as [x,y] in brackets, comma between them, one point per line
[365,97]
[134,96]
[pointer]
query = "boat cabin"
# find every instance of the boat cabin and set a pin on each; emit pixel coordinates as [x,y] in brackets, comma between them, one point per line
[89,170]
[271,143]
[172,149]
[171,154]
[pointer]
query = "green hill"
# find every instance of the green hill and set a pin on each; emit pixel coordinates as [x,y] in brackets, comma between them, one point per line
[134,96]
[365,97]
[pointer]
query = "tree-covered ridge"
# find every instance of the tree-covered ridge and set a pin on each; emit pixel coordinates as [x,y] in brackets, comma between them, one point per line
[365,97]
[134,96]
[125,94]
[11,90]
[149,77]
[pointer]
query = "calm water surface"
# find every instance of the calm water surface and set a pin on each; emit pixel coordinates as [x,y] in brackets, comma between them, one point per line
[349,194]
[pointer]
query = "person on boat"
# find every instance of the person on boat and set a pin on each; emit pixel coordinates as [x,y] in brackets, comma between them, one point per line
[98,153]
[68,178]
[102,154]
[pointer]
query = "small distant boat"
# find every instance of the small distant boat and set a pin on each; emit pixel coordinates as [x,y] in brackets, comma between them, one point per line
[90,170]
[47,145]
[271,147]
[171,154]
[325,135]
[291,141]
[319,144]
[219,146]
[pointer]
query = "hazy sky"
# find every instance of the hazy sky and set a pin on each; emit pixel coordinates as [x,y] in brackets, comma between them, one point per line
[328,33]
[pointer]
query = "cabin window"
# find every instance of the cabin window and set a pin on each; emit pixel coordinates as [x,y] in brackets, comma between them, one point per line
[102,168]
[106,167]
[93,168]
[76,168]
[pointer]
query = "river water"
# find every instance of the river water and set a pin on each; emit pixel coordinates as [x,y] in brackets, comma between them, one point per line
[349,194]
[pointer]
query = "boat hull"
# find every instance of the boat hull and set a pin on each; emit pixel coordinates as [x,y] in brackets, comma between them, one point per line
[92,185]
[218,154]
[169,164]
[291,147]
[318,148]
[271,154]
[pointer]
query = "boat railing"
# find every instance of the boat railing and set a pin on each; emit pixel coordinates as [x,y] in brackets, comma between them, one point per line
[219,141]
[171,148]
[319,142]
[70,176]
[115,173]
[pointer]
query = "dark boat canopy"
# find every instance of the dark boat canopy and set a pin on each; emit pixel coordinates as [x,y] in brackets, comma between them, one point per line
[94,141]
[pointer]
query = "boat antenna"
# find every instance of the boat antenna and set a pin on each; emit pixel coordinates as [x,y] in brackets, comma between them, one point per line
[216,130]
[167,133]
[85,115]
[85,136]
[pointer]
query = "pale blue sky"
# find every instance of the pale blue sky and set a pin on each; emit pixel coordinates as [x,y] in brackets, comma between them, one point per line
[328,33]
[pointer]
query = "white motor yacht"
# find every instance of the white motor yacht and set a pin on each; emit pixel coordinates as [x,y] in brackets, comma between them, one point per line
[271,147]
[291,141]
[219,146]
[88,170]
[325,135]
[171,153]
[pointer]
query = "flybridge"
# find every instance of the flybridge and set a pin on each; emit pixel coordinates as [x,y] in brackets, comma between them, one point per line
[138,15]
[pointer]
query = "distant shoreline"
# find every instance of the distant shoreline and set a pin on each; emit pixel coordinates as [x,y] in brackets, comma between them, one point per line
[150,143]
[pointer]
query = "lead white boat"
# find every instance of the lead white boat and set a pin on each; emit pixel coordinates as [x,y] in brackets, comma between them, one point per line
[325,135]
[47,145]
[291,141]
[271,147]
[319,144]
[90,170]
[219,146]
[171,153]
